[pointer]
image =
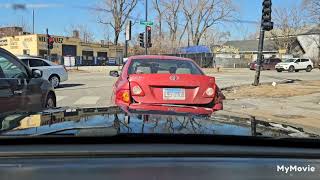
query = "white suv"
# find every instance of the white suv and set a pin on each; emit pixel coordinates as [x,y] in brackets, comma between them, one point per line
[53,72]
[294,65]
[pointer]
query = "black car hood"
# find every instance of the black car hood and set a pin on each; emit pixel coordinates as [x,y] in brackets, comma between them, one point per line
[112,121]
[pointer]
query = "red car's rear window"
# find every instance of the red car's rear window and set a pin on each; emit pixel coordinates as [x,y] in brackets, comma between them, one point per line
[168,66]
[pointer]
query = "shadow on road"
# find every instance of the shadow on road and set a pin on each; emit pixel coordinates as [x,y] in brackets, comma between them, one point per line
[69,85]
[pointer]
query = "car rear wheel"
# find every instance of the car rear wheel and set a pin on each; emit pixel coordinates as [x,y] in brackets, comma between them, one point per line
[291,69]
[55,81]
[279,70]
[296,70]
[50,101]
[309,68]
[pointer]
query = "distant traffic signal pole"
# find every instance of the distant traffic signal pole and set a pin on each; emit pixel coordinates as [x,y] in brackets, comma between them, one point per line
[145,28]
[148,42]
[48,49]
[266,25]
[50,42]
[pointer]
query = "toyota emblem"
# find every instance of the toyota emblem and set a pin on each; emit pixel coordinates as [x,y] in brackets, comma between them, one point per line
[173,78]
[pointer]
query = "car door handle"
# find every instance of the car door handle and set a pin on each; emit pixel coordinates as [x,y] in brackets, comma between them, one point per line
[18,92]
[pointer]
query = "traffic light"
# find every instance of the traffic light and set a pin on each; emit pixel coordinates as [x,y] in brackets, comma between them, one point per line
[266,23]
[149,44]
[50,42]
[141,39]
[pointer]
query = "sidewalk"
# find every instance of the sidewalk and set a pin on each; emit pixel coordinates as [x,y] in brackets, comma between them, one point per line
[94,68]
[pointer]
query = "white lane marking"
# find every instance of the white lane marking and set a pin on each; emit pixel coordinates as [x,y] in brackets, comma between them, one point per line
[59,98]
[87,100]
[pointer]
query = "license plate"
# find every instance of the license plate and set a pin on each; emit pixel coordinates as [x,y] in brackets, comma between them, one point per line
[174,94]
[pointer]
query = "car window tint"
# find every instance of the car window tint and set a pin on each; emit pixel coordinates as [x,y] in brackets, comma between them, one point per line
[35,62]
[25,61]
[12,70]
[156,66]
[45,63]
[298,60]
[304,60]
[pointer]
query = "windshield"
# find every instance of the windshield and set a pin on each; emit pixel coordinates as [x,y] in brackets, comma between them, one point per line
[170,66]
[289,60]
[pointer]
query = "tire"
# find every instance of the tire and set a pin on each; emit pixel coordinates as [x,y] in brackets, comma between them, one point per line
[55,81]
[296,70]
[279,70]
[291,69]
[50,101]
[309,68]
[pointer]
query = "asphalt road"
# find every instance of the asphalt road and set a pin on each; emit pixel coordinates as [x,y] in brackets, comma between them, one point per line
[94,89]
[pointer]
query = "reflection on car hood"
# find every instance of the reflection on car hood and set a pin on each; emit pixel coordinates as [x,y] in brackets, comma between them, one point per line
[112,120]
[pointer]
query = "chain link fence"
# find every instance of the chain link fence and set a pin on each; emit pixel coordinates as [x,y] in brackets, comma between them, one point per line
[208,60]
[86,61]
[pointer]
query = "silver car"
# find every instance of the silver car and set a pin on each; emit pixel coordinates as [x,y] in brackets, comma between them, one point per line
[53,72]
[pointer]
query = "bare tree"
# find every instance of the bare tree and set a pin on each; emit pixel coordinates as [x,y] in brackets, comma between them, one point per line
[171,17]
[212,37]
[203,14]
[288,24]
[84,32]
[120,11]
[313,10]
[160,9]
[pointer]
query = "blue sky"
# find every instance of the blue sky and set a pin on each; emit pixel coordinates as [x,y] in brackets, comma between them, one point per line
[64,13]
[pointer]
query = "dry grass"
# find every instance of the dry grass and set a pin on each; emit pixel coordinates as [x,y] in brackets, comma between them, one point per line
[269,91]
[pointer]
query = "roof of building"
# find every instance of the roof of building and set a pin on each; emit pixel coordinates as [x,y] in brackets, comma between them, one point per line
[251,45]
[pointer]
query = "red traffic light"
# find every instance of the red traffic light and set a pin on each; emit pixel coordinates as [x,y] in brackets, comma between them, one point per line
[148,28]
[51,40]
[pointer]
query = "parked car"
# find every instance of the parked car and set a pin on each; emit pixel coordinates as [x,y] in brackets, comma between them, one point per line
[22,89]
[53,72]
[294,65]
[266,64]
[166,83]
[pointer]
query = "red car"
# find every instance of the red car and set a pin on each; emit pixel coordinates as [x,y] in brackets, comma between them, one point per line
[267,64]
[166,83]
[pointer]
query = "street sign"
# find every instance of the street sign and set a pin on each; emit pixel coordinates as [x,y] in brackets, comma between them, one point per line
[146,23]
[128,31]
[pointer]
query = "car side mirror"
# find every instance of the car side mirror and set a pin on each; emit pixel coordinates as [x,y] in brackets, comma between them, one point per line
[114,73]
[36,73]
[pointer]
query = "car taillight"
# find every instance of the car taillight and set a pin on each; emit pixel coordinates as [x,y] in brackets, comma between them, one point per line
[123,95]
[136,89]
[210,91]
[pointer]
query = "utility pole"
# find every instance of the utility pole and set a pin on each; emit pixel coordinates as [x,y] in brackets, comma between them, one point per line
[32,21]
[48,49]
[126,48]
[127,34]
[258,64]
[266,25]
[145,28]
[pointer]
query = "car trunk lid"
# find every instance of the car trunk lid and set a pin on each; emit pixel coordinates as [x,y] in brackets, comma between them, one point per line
[172,88]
